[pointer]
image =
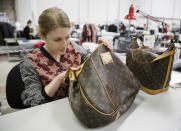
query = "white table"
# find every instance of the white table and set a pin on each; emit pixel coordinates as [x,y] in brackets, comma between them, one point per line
[21,41]
[90,46]
[33,41]
[10,40]
[74,40]
[28,42]
[161,112]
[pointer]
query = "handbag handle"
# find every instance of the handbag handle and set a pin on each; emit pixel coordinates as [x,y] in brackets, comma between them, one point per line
[165,54]
[73,73]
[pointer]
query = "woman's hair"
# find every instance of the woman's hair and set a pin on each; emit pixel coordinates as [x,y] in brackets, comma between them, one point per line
[52,18]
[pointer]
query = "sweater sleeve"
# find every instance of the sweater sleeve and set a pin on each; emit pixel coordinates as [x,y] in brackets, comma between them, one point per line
[34,93]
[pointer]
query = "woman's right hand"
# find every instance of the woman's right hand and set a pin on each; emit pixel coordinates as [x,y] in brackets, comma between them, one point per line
[54,85]
[62,75]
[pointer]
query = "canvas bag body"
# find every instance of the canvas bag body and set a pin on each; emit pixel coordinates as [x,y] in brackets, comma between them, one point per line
[100,93]
[151,67]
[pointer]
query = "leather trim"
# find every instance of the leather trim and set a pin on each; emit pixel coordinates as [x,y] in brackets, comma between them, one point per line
[157,58]
[152,92]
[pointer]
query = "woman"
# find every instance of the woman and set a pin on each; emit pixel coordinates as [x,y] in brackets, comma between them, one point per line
[43,70]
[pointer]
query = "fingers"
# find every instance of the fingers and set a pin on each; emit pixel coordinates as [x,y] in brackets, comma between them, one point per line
[106,42]
[103,40]
[110,47]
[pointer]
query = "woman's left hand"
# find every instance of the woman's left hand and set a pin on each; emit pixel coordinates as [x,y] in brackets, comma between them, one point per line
[106,42]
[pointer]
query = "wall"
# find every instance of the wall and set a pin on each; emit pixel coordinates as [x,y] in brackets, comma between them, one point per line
[8,6]
[99,11]
[24,11]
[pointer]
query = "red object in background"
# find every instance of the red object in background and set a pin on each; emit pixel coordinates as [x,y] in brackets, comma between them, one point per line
[165,29]
[38,44]
[131,16]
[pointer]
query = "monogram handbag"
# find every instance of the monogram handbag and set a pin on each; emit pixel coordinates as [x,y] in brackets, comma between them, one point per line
[152,67]
[101,89]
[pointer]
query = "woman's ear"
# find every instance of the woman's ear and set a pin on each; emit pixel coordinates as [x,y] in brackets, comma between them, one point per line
[41,36]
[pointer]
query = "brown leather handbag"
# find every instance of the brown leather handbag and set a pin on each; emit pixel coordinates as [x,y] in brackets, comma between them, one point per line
[101,89]
[152,67]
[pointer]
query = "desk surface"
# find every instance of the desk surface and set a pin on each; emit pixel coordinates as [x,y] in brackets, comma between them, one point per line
[10,40]
[28,42]
[161,112]
[33,41]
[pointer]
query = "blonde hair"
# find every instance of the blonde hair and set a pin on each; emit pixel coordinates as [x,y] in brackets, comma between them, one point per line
[52,18]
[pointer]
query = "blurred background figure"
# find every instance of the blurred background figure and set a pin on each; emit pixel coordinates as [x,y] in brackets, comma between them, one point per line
[28,31]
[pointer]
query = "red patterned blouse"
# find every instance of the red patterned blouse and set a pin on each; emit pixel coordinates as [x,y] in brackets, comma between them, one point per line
[49,68]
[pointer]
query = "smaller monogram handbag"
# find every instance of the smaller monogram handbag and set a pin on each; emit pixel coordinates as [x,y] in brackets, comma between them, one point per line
[152,67]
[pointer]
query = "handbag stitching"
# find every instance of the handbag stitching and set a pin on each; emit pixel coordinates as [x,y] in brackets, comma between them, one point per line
[107,114]
[88,102]
[102,83]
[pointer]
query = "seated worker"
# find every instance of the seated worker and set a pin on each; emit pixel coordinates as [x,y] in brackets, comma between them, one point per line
[43,69]
[28,30]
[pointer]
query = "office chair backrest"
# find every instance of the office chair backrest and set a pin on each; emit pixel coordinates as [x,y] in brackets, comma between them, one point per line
[14,87]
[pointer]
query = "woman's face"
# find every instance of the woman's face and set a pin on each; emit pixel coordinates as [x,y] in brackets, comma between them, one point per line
[58,40]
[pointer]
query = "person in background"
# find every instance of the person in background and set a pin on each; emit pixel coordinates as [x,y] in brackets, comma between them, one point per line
[95,30]
[112,28]
[122,29]
[28,31]
[145,27]
[42,70]
[132,29]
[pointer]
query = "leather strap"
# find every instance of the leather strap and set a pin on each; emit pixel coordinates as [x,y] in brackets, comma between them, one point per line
[157,58]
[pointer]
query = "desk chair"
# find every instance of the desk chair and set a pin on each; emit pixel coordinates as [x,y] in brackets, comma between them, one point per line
[14,87]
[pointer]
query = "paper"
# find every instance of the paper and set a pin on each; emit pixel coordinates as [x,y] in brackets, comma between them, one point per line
[149,40]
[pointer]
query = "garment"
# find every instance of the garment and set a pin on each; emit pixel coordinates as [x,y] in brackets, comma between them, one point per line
[38,44]
[84,34]
[26,32]
[6,30]
[88,33]
[39,68]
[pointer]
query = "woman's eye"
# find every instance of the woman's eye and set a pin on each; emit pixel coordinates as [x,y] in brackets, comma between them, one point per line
[57,40]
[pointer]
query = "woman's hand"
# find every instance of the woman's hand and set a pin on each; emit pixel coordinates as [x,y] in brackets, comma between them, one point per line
[62,75]
[54,85]
[106,42]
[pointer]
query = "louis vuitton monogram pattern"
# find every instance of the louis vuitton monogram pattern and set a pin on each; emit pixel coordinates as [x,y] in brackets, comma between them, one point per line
[102,91]
[151,75]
